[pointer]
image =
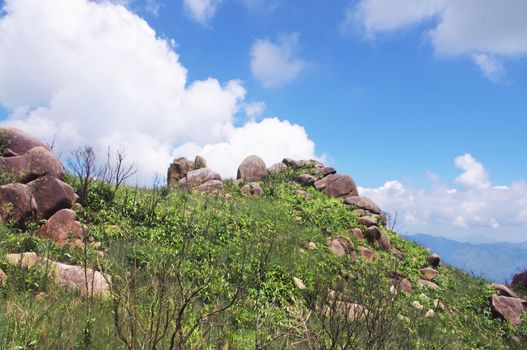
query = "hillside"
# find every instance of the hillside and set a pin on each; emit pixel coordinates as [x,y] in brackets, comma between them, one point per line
[285,257]
[508,258]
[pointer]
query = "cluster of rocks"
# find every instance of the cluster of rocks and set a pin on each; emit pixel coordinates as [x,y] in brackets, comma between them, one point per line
[35,188]
[508,305]
[193,175]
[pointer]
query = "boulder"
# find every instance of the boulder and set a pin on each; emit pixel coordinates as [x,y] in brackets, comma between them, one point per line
[351,311]
[252,168]
[385,242]
[16,202]
[365,253]
[337,248]
[299,283]
[35,163]
[430,313]
[372,234]
[311,246]
[405,286]
[78,278]
[369,220]
[194,178]
[19,142]
[210,186]
[251,190]
[306,179]
[429,273]
[62,228]
[24,260]
[3,278]
[363,203]
[398,254]
[200,162]
[434,260]
[357,233]
[276,168]
[178,170]
[520,280]
[427,284]
[297,164]
[337,185]
[417,305]
[51,195]
[510,309]
[504,290]
[325,171]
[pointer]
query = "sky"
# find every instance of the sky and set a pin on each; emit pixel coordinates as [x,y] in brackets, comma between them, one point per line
[423,103]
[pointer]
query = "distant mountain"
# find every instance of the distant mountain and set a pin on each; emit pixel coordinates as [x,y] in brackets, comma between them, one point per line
[495,262]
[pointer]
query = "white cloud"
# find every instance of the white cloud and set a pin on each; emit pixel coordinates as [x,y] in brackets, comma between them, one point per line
[202,11]
[153,7]
[95,73]
[455,27]
[491,68]
[474,174]
[254,109]
[493,213]
[275,64]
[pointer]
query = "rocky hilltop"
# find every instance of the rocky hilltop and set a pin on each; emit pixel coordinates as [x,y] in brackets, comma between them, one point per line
[284,256]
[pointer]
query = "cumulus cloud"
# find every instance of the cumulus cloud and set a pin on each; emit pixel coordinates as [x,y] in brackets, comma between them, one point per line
[254,109]
[95,73]
[484,29]
[201,11]
[475,209]
[275,64]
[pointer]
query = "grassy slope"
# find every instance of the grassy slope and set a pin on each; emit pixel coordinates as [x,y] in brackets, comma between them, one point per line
[245,248]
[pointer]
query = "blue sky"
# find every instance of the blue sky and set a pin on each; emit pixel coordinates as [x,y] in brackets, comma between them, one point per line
[414,100]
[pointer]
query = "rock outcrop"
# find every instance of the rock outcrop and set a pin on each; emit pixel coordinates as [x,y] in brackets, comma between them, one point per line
[178,170]
[33,164]
[195,178]
[19,142]
[337,185]
[63,228]
[508,308]
[252,169]
[17,203]
[51,195]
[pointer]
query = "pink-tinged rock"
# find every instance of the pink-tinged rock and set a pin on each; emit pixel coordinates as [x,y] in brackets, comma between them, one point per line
[20,141]
[385,242]
[306,179]
[24,260]
[337,185]
[252,168]
[211,186]
[178,170]
[17,203]
[398,254]
[77,278]
[351,311]
[276,168]
[510,309]
[200,162]
[427,284]
[35,163]
[363,203]
[429,273]
[51,195]
[337,248]
[357,232]
[62,228]
[405,286]
[365,253]
[369,220]
[252,190]
[504,291]
[325,171]
[197,177]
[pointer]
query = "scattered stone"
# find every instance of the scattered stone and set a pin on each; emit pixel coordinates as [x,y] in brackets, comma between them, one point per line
[363,203]
[35,163]
[252,190]
[372,234]
[417,305]
[210,186]
[337,248]
[405,286]
[3,278]
[303,193]
[357,232]
[75,278]
[20,141]
[276,168]
[198,177]
[337,185]
[510,309]
[16,203]
[306,179]
[393,289]
[385,242]
[63,228]
[427,284]
[352,311]
[200,162]
[429,273]
[178,170]
[299,283]
[370,220]
[252,168]
[24,260]
[424,297]
[51,195]
[438,305]
[434,260]
[398,254]
[311,246]
[365,253]
[430,314]
[520,279]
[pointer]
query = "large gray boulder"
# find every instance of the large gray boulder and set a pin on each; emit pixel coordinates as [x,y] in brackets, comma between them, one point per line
[337,185]
[16,203]
[51,195]
[363,203]
[35,163]
[251,169]
[178,170]
[198,177]
[19,142]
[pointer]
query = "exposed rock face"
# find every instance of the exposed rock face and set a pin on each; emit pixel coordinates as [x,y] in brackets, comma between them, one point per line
[325,171]
[429,273]
[178,170]
[200,162]
[357,232]
[369,220]
[251,190]
[405,286]
[276,168]
[434,260]
[363,203]
[20,141]
[306,179]
[252,168]
[337,185]
[336,248]
[63,228]
[385,242]
[16,202]
[74,277]
[197,177]
[504,290]
[35,163]
[520,279]
[510,309]
[365,253]
[51,195]
[211,186]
